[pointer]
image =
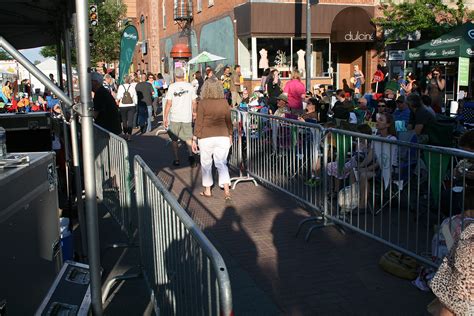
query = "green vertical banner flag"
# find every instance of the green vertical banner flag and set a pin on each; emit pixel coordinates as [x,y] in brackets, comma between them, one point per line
[127,48]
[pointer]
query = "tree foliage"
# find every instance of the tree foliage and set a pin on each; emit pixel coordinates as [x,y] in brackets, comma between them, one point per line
[106,35]
[4,55]
[432,18]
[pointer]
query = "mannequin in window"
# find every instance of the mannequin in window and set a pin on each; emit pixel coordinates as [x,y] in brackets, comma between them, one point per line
[263,63]
[301,62]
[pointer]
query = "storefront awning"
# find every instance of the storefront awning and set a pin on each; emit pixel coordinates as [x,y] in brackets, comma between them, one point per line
[289,19]
[458,43]
[352,25]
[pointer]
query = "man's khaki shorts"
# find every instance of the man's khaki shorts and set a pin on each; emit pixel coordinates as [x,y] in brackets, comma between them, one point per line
[180,130]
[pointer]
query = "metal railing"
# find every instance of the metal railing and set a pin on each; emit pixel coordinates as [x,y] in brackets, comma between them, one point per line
[285,154]
[239,149]
[400,196]
[186,274]
[113,176]
[401,202]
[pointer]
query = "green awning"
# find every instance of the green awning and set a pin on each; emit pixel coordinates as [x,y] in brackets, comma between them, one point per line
[458,43]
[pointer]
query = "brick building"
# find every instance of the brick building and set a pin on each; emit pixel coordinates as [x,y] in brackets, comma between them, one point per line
[260,33]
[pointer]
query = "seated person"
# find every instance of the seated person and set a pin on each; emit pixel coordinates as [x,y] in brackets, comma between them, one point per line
[380,159]
[465,168]
[282,106]
[360,151]
[311,114]
[363,113]
[426,100]
[420,116]
[402,112]
[23,103]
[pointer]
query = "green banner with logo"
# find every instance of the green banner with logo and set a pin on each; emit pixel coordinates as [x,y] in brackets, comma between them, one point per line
[463,71]
[127,48]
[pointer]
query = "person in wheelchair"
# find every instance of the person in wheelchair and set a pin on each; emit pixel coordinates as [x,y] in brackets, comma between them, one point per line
[381,158]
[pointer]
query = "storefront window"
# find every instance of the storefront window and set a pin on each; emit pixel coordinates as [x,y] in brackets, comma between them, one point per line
[274,53]
[245,56]
[285,53]
[320,58]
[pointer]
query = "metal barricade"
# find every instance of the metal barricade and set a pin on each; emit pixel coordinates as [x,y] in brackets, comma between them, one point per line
[396,192]
[285,154]
[186,274]
[113,176]
[238,154]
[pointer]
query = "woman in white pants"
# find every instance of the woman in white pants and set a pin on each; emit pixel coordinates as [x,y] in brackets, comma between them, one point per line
[213,135]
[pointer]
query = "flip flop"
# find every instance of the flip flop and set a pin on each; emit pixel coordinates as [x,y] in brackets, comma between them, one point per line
[205,195]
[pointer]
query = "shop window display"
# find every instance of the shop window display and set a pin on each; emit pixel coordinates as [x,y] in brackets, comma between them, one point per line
[274,53]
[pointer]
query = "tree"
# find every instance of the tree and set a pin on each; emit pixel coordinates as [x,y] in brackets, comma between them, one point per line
[106,35]
[4,55]
[432,18]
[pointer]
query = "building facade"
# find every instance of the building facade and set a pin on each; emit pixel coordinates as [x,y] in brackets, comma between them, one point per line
[259,34]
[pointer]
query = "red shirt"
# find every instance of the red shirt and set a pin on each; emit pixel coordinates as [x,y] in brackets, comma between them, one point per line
[295,88]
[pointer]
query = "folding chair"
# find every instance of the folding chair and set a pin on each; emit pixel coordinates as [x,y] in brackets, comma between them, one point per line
[400,177]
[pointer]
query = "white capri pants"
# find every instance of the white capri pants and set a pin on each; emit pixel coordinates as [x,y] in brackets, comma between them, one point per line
[216,148]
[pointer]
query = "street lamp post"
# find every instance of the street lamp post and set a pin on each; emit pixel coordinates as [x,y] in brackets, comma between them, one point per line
[308,44]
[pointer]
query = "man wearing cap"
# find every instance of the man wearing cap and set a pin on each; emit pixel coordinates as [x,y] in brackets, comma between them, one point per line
[402,112]
[282,104]
[106,113]
[180,109]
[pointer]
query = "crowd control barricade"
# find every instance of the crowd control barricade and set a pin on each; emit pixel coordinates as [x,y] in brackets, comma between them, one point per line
[186,274]
[285,154]
[238,152]
[113,177]
[400,196]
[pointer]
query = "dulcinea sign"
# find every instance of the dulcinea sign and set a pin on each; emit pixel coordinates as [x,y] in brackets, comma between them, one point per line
[359,37]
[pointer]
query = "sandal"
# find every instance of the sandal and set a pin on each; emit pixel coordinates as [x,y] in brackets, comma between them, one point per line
[205,195]
[227,197]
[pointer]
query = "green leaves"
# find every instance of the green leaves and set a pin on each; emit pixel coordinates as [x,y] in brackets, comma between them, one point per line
[431,18]
[106,35]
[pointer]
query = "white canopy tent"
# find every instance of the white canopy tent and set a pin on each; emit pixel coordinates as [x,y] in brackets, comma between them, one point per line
[48,66]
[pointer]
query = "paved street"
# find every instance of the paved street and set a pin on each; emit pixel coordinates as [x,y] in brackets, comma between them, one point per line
[272,271]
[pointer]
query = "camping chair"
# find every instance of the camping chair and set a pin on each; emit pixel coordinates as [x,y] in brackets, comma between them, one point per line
[401,174]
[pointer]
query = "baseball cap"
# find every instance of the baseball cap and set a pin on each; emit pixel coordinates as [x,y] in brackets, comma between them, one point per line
[283,97]
[95,76]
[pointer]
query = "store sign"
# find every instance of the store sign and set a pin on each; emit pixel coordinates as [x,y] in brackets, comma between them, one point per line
[463,71]
[470,52]
[359,37]
[431,53]
[470,33]
[414,55]
[440,41]
[448,52]
[396,55]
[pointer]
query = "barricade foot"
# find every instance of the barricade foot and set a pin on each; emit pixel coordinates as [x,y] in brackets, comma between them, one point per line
[242,179]
[311,219]
[116,279]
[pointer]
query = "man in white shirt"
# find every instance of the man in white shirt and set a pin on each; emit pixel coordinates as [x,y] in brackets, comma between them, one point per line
[180,108]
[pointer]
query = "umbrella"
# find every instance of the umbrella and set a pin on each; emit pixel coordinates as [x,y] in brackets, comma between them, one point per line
[204,57]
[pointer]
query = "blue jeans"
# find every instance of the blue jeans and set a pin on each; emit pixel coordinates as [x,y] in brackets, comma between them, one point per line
[150,112]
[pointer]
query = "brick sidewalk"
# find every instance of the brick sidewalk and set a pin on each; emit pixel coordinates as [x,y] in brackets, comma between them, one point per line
[332,274]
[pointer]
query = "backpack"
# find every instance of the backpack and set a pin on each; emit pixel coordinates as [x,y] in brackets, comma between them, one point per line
[127,97]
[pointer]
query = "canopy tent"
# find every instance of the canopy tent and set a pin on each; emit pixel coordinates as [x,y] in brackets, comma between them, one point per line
[458,43]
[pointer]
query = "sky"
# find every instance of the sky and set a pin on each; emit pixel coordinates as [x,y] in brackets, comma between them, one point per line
[32,54]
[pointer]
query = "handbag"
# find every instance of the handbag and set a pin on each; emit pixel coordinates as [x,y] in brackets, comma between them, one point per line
[399,265]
